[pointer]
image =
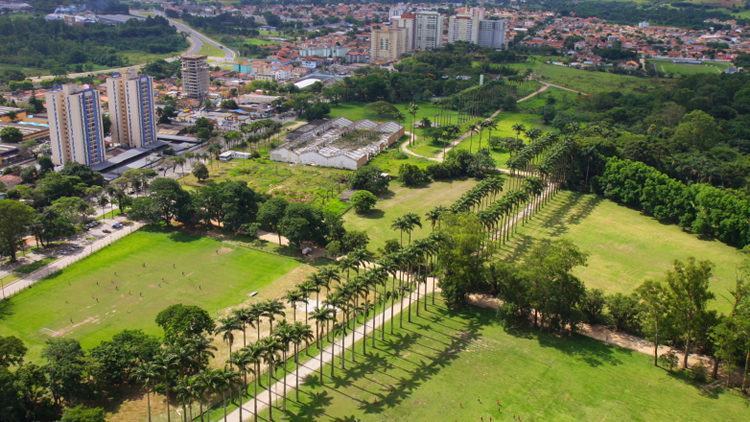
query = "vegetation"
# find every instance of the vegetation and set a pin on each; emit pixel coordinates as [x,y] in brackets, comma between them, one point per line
[55,47]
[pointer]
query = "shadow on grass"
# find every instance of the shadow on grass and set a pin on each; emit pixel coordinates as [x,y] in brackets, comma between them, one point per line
[373,214]
[6,308]
[711,390]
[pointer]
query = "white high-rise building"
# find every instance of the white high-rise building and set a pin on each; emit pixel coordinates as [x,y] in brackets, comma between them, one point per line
[75,125]
[387,44]
[462,28]
[131,109]
[195,76]
[492,34]
[428,30]
[406,21]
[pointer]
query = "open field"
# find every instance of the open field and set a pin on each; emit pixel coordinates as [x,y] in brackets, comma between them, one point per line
[299,183]
[403,200]
[625,247]
[450,366]
[685,69]
[584,80]
[125,285]
[536,104]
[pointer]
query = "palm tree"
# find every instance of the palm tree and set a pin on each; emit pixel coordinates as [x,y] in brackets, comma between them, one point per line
[412,221]
[184,395]
[165,363]
[413,108]
[270,355]
[300,333]
[330,274]
[239,360]
[227,326]
[255,315]
[490,125]
[284,336]
[271,309]
[434,215]
[293,297]
[400,224]
[147,373]
[199,387]
[321,316]
[305,289]
[518,128]
[252,355]
[245,317]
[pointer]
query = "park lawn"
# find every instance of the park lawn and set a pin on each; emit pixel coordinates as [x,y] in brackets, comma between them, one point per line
[211,50]
[298,183]
[393,158]
[625,247]
[536,103]
[586,81]
[125,285]
[402,200]
[466,366]
[505,122]
[686,69]
[141,57]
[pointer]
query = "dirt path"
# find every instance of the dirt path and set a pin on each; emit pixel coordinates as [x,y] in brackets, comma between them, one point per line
[606,335]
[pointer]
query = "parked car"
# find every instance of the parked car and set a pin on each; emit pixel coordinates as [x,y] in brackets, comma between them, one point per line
[117,226]
[107,231]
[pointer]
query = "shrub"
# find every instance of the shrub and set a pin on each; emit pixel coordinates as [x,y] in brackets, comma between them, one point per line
[668,360]
[413,176]
[363,201]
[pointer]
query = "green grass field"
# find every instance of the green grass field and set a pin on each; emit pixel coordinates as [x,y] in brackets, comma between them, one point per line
[211,50]
[125,285]
[625,247]
[377,223]
[299,183]
[584,80]
[467,366]
[685,69]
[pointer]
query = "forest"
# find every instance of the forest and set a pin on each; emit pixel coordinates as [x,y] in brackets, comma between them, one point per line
[32,42]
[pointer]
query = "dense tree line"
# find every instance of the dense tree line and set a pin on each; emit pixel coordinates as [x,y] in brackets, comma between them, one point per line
[53,45]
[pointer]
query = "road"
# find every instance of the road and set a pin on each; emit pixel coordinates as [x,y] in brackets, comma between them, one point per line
[195,38]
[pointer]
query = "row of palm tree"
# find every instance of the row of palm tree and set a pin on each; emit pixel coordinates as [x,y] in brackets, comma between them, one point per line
[479,128]
[480,195]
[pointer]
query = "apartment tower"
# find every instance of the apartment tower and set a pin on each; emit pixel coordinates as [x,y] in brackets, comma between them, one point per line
[75,125]
[428,30]
[492,34]
[387,44]
[131,109]
[195,76]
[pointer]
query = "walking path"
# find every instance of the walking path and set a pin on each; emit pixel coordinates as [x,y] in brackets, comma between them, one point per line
[312,366]
[38,275]
[441,156]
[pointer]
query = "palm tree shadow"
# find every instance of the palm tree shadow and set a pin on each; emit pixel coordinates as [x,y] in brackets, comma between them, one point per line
[312,409]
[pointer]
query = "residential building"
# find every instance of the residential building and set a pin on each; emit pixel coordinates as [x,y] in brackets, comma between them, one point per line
[406,21]
[491,34]
[462,28]
[75,125]
[428,30]
[195,76]
[387,44]
[131,109]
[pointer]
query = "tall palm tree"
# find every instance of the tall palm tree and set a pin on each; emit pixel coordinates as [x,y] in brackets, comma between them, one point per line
[270,355]
[475,128]
[253,355]
[488,124]
[518,128]
[330,275]
[321,315]
[183,395]
[347,264]
[226,327]
[255,316]
[400,224]
[166,363]
[199,387]
[284,336]
[434,214]
[301,333]
[147,373]
[239,360]
[413,109]
[306,288]
[293,297]
[412,221]
[245,317]
[271,309]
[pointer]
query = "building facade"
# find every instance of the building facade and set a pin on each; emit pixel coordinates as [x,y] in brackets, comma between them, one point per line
[195,76]
[406,21]
[75,125]
[387,44]
[131,109]
[491,34]
[428,30]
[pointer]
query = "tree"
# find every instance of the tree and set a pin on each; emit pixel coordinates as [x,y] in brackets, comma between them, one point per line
[653,296]
[370,178]
[11,135]
[182,321]
[688,295]
[226,327]
[65,369]
[171,200]
[625,312]
[200,171]
[113,362]
[413,109]
[303,223]
[81,413]
[461,267]
[15,222]
[697,129]
[147,373]
[592,306]
[363,201]
[412,176]
[12,351]
[270,214]
[72,208]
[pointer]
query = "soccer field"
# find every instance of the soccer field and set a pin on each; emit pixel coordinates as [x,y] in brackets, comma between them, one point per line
[125,285]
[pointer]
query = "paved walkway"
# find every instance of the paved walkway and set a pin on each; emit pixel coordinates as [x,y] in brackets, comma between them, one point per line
[64,261]
[312,366]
